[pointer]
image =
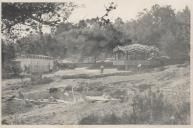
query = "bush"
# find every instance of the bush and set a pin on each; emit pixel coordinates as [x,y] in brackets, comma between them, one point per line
[155,109]
[36,79]
[152,108]
[111,119]
[107,119]
[11,70]
[91,119]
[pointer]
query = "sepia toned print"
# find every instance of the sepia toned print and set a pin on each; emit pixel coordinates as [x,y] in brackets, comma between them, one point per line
[71,64]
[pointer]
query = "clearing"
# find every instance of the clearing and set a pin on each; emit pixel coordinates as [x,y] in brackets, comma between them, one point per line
[70,96]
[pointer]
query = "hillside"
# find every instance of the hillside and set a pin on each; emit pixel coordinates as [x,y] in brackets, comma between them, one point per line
[100,100]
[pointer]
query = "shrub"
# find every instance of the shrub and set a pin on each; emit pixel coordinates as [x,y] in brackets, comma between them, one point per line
[155,109]
[152,108]
[11,70]
[91,119]
[39,80]
[111,119]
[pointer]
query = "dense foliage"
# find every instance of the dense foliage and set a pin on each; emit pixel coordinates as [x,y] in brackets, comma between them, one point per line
[30,17]
[163,27]
[21,19]
[159,26]
[146,110]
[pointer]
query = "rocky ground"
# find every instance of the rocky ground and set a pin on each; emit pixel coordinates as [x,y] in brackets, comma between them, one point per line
[65,99]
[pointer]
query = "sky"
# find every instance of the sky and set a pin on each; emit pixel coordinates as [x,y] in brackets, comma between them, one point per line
[126,9]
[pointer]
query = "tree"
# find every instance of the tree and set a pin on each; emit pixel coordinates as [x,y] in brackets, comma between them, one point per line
[30,17]
[162,27]
[8,54]
[159,26]
[182,32]
[22,19]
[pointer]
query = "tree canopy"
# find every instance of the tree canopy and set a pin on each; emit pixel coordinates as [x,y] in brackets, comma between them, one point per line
[29,17]
[160,26]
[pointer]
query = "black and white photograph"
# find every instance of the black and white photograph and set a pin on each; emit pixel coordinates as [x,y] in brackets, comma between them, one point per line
[95,62]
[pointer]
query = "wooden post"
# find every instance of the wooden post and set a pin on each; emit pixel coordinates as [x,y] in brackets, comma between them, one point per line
[134,104]
[151,107]
[126,62]
[73,93]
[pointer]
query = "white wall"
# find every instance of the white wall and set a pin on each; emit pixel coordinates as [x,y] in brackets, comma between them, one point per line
[37,65]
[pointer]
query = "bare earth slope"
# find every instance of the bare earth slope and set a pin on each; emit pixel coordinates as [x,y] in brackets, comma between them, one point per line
[173,81]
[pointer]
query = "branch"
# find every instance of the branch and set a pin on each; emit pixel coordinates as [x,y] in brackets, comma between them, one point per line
[42,21]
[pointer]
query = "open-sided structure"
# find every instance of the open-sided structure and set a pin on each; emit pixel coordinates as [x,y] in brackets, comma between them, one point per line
[135,54]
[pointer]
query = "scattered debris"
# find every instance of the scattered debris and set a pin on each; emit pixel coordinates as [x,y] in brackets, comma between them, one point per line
[100,98]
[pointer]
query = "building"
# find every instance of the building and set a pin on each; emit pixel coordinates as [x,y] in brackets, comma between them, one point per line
[31,63]
[135,54]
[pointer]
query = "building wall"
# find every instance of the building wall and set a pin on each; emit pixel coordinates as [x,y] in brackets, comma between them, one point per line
[36,65]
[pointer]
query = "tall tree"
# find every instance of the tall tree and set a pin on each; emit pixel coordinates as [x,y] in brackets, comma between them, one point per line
[30,17]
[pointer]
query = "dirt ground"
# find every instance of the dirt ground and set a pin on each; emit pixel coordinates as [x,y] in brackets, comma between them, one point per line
[65,100]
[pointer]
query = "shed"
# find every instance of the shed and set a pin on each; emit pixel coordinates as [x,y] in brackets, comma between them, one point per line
[134,54]
[31,63]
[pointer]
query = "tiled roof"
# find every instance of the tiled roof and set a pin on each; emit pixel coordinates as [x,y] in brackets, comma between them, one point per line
[136,48]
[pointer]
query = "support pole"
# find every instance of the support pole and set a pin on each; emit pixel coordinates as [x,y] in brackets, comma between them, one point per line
[73,93]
